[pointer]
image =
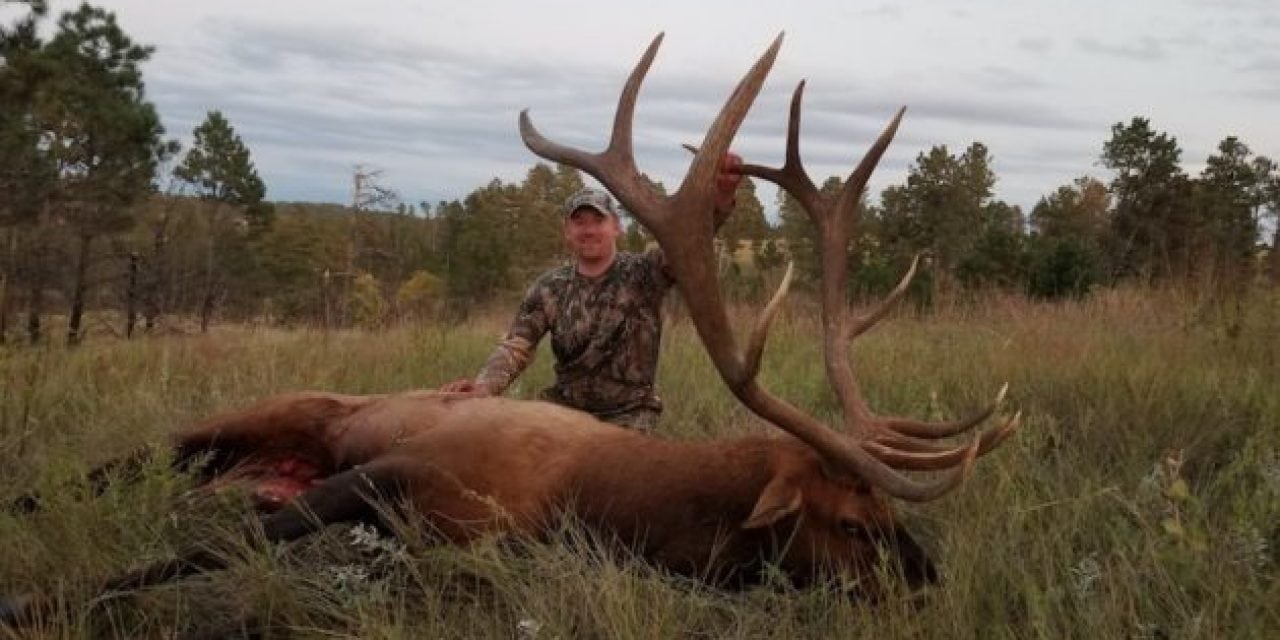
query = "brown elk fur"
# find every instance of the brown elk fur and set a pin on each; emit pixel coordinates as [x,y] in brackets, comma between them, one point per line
[481,465]
[470,467]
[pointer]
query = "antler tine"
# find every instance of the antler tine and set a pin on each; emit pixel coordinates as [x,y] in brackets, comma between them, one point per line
[696,192]
[615,167]
[857,181]
[843,451]
[755,346]
[620,142]
[865,322]
[791,176]
[935,430]
[916,455]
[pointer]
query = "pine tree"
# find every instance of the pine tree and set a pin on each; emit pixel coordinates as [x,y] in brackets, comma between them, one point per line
[1152,227]
[219,168]
[85,142]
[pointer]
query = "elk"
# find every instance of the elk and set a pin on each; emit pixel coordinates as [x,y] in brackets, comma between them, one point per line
[811,501]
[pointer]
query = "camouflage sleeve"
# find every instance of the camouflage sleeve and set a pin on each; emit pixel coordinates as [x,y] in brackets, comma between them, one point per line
[514,353]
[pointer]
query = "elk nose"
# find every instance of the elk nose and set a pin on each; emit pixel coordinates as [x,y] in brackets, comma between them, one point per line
[917,568]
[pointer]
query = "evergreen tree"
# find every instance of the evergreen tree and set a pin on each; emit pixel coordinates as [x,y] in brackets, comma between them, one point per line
[1069,231]
[476,241]
[107,137]
[26,175]
[218,167]
[998,256]
[1230,194]
[1078,210]
[1152,226]
[945,210]
[80,140]
[536,237]
[747,222]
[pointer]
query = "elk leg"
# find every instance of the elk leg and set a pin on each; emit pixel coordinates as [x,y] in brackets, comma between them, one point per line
[350,496]
[126,468]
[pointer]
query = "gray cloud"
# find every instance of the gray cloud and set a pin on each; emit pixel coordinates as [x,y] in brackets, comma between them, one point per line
[1269,95]
[1002,79]
[1265,64]
[1144,48]
[1038,45]
[466,109]
[891,11]
[314,101]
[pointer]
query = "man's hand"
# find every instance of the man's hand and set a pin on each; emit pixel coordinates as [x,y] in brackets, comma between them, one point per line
[467,386]
[727,181]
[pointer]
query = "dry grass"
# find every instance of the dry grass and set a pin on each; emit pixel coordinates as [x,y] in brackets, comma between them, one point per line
[1142,498]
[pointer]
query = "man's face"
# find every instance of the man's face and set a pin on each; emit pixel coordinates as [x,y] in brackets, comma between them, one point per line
[591,235]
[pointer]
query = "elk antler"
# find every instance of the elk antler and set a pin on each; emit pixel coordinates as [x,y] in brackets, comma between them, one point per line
[900,442]
[683,226]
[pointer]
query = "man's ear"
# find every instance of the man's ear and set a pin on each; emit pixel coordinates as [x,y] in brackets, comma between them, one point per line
[779,499]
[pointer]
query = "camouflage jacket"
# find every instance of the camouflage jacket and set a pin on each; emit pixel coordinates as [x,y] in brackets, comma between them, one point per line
[605,334]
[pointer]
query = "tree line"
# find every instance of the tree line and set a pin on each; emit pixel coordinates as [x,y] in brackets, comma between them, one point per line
[1152,223]
[105,220]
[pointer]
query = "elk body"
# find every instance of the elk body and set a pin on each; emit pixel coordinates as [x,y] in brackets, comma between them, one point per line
[812,500]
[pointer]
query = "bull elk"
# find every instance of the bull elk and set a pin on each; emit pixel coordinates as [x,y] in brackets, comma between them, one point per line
[717,509]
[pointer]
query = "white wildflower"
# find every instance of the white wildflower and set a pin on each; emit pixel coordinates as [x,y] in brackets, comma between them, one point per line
[368,540]
[1085,575]
[528,628]
[348,577]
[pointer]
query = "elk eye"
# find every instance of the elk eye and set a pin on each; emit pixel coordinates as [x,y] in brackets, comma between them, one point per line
[855,529]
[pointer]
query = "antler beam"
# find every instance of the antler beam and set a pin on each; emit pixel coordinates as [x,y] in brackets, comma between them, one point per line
[683,226]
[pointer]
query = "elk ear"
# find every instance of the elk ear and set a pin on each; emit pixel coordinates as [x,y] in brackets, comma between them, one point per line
[780,498]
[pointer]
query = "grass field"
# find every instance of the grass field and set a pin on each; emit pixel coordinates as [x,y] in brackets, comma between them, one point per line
[1140,500]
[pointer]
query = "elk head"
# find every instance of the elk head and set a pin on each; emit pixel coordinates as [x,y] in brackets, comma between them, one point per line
[864,462]
[834,520]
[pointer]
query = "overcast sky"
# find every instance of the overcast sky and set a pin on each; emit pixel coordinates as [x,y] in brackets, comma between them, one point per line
[429,92]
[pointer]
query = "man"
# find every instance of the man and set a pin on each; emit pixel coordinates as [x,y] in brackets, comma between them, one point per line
[604,312]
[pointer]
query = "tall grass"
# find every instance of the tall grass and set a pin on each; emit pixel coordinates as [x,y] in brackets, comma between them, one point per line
[1140,500]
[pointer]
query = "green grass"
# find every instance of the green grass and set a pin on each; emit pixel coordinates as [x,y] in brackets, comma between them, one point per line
[1140,500]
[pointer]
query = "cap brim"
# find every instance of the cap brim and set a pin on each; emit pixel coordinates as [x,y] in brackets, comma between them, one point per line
[592,207]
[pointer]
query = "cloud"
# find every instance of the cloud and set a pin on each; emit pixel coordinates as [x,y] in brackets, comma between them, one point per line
[1040,45]
[313,97]
[999,78]
[1266,64]
[1144,48]
[1263,94]
[890,11]
[312,103]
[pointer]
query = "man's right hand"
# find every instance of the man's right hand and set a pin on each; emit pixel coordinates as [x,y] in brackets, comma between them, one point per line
[467,385]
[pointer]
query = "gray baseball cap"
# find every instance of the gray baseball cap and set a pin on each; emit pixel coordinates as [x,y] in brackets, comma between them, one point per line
[591,198]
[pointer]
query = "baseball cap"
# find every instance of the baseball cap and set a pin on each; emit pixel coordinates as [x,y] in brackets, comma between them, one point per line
[592,198]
